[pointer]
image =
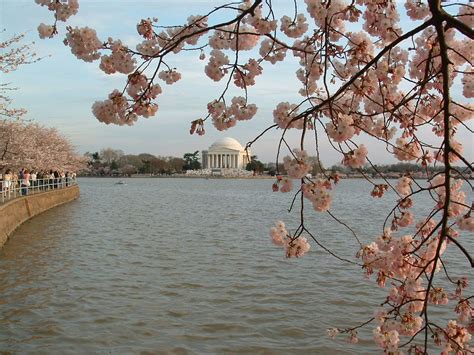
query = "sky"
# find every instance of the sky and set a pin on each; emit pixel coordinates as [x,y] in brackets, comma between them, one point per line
[59,90]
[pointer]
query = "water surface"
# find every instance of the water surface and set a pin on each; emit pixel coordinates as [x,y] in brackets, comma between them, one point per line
[186,266]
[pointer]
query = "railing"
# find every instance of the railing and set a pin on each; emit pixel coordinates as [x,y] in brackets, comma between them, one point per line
[14,188]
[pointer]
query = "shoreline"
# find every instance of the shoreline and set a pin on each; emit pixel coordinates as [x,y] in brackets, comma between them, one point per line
[19,210]
[208,177]
[178,176]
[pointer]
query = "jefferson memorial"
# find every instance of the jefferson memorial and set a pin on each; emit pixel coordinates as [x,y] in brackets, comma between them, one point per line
[225,154]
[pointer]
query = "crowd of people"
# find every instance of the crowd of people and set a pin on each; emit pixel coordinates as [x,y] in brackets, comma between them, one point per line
[38,180]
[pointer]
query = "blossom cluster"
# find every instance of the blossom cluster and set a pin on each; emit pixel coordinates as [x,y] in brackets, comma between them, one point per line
[318,193]
[457,205]
[294,246]
[387,333]
[333,12]
[45,31]
[62,9]
[84,43]
[242,38]
[391,257]
[175,38]
[148,48]
[407,151]
[294,29]
[453,338]
[310,70]
[215,69]
[342,130]
[169,76]
[416,10]
[285,115]
[246,76]
[356,158]
[120,60]
[379,190]
[113,110]
[404,186]
[381,20]
[224,117]
[241,109]
[145,28]
[299,166]
[272,52]
[283,184]
[261,24]
[198,127]
[172,39]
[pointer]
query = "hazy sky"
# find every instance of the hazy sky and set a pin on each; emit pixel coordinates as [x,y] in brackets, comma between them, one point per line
[60,90]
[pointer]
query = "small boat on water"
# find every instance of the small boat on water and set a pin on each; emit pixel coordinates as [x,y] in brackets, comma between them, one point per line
[121,182]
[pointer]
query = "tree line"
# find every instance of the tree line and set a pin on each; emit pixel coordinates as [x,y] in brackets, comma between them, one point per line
[115,162]
[111,161]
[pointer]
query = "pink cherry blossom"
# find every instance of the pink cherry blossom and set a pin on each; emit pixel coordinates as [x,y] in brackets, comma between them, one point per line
[84,43]
[297,167]
[294,247]
[356,158]
[45,31]
[404,185]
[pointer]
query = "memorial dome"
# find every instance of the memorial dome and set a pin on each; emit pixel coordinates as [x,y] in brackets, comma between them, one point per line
[226,143]
[225,154]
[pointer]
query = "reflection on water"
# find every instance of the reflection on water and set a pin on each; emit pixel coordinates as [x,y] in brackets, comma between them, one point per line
[184,265]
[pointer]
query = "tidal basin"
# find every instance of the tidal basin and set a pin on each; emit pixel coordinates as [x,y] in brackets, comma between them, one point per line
[187,266]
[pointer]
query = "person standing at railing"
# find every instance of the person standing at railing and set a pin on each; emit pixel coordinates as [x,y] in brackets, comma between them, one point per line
[62,178]
[25,181]
[50,180]
[33,178]
[40,176]
[56,178]
[7,182]
[20,177]
[14,182]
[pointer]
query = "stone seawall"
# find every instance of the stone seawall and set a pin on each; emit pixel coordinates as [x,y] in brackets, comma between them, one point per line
[19,210]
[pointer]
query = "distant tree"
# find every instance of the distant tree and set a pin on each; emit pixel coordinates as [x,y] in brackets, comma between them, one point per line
[114,165]
[159,165]
[130,159]
[272,170]
[175,165]
[340,168]
[255,165]
[108,155]
[93,163]
[128,169]
[28,144]
[147,160]
[88,156]
[146,167]
[316,166]
[146,156]
[192,161]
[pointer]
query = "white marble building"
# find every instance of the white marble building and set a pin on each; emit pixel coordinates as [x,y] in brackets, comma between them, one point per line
[225,154]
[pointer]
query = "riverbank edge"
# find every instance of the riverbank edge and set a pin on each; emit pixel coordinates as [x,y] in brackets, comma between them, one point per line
[17,211]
